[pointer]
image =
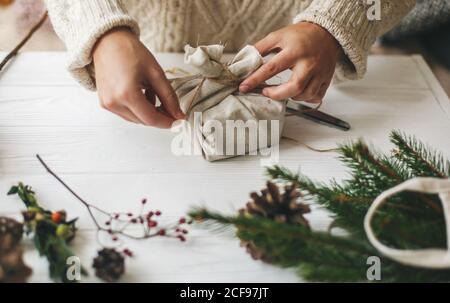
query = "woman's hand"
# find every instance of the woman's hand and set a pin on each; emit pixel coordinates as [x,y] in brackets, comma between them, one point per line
[128,80]
[306,48]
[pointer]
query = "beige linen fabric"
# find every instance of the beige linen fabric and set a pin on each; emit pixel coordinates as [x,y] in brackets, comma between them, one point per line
[216,115]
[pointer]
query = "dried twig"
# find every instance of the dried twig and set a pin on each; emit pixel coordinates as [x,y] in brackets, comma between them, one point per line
[16,49]
[124,220]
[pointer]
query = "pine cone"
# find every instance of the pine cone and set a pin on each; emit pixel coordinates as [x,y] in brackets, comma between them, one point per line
[11,233]
[282,208]
[12,267]
[273,205]
[109,265]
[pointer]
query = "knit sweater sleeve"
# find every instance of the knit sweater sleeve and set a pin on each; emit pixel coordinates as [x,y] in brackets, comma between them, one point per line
[355,25]
[80,23]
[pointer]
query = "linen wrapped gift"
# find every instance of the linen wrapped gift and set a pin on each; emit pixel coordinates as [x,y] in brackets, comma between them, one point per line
[221,122]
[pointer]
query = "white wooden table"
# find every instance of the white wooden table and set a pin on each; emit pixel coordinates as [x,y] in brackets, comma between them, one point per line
[114,164]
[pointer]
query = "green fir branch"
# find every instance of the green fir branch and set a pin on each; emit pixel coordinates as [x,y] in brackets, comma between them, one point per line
[50,239]
[408,220]
[318,256]
[419,158]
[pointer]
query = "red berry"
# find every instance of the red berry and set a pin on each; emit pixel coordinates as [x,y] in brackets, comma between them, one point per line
[144,201]
[185,231]
[116,216]
[115,238]
[162,232]
[182,238]
[158,213]
[182,220]
[134,221]
[129,214]
[107,223]
[56,217]
[152,223]
[128,252]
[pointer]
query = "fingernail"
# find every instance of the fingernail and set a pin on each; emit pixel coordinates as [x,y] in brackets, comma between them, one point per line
[244,88]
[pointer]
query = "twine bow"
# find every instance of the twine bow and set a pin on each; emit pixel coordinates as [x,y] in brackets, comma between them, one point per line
[225,77]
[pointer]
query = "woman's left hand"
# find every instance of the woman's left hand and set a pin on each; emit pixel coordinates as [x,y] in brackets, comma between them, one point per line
[309,50]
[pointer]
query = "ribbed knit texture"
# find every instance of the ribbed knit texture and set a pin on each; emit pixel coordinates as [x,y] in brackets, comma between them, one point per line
[347,21]
[167,25]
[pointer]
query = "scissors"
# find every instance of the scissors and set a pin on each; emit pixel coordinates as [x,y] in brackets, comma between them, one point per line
[307,112]
[317,116]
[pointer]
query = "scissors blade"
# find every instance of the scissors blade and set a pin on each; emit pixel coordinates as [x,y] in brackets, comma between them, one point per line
[307,112]
[317,116]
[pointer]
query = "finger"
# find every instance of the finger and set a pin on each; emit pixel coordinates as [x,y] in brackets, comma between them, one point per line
[150,95]
[321,94]
[147,112]
[117,109]
[323,90]
[126,114]
[314,100]
[310,92]
[276,65]
[266,45]
[165,92]
[152,99]
[294,87]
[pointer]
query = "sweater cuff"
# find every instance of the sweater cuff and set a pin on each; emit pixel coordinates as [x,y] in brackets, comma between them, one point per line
[90,20]
[348,23]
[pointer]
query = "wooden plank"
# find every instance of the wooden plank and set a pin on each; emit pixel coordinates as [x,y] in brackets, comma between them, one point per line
[70,130]
[433,83]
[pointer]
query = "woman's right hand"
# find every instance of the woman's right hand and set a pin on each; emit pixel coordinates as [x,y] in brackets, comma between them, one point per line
[129,78]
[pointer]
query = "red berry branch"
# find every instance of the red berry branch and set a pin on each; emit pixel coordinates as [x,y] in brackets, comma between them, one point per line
[119,225]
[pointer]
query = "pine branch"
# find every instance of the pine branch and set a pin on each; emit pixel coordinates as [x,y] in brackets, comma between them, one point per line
[55,249]
[348,209]
[292,245]
[419,158]
[50,238]
[371,174]
[408,220]
[318,256]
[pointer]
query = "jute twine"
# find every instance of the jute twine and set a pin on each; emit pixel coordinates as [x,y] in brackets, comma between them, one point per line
[229,79]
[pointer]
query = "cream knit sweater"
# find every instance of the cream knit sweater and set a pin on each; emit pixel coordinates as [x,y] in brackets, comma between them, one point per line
[167,25]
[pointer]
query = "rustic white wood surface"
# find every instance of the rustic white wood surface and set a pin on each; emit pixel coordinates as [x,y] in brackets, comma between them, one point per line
[114,164]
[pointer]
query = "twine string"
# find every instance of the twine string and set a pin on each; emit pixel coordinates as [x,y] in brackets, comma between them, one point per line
[229,79]
[226,78]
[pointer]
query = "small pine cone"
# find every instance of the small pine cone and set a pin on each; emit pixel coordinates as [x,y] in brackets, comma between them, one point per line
[280,207]
[12,267]
[11,233]
[109,265]
[257,253]
[276,206]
